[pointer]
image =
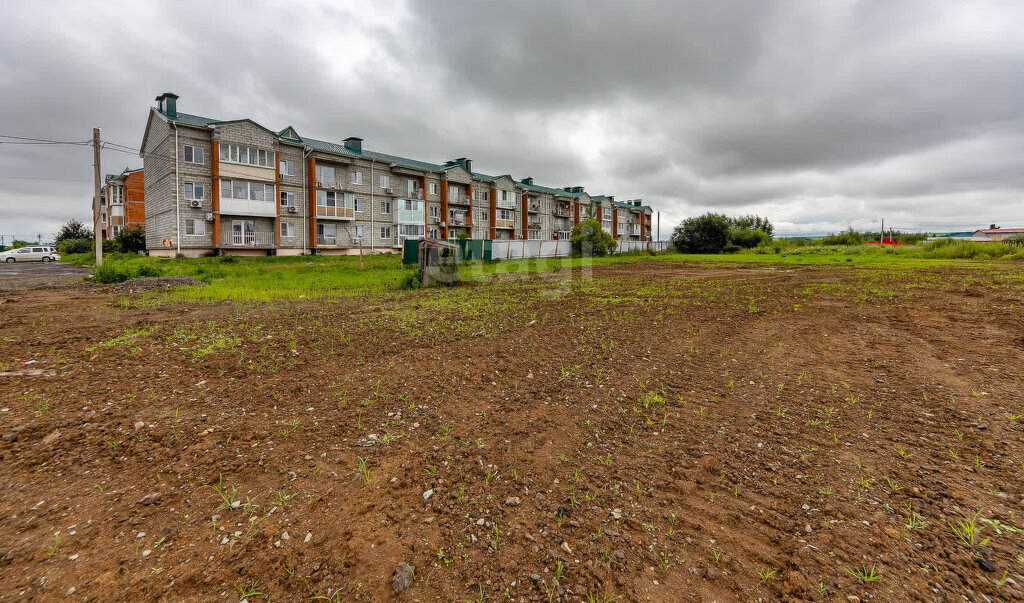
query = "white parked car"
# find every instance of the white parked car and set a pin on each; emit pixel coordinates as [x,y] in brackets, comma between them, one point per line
[31,253]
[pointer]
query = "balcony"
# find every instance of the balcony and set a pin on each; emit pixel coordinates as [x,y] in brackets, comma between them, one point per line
[533,225]
[458,219]
[248,207]
[415,194]
[634,229]
[506,204]
[533,208]
[338,213]
[458,200]
[562,210]
[234,238]
[326,239]
[504,223]
[409,216]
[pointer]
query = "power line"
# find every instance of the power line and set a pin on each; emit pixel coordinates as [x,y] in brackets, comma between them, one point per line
[33,178]
[28,140]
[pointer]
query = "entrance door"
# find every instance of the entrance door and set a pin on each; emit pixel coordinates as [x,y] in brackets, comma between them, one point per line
[243,232]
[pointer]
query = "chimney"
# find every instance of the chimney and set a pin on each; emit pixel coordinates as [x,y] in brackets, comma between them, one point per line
[528,181]
[354,144]
[167,104]
[638,202]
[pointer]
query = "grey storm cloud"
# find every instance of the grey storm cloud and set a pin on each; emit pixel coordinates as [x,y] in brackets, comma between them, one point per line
[818,114]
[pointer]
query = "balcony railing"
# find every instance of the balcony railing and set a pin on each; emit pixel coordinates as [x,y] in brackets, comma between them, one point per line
[326,239]
[504,223]
[341,213]
[233,238]
[458,199]
[410,216]
[562,210]
[333,185]
[507,204]
[457,220]
[534,208]
[533,225]
[415,194]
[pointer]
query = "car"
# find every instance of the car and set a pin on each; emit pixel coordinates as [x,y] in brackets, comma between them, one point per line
[31,253]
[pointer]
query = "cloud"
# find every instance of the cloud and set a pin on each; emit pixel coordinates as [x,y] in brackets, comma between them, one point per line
[818,115]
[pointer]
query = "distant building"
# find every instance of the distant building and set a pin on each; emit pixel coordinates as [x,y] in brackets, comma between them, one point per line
[996,234]
[122,202]
[216,187]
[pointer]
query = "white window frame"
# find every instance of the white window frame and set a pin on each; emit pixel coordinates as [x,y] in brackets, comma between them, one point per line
[196,152]
[434,211]
[359,205]
[234,153]
[385,208]
[453,192]
[190,191]
[228,186]
[356,177]
[385,181]
[287,230]
[318,174]
[286,167]
[433,188]
[287,199]
[506,214]
[410,186]
[324,227]
[385,232]
[115,229]
[359,231]
[198,227]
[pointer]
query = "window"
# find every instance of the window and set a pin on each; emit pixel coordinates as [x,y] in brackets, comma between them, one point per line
[193,154]
[453,193]
[287,167]
[195,227]
[385,181]
[606,213]
[327,198]
[287,199]
[233,153]
[505,214]
[410,205]
[194,190]
[481,194]
[359,232]
[432,232]
[434,188]
[533,235]
[360,204]
[357,177]
[385,232]
[434,211]
[240,189]
[483,215]
[385,207]
[325,175]
[507,196]
[287,229]
[410,187]
[114,231]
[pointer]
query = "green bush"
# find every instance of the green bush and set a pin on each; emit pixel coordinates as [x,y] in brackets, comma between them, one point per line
[69,246]
[131,239]
[118,270]
[748,238]
[588,239]
[850,237]
[111,246]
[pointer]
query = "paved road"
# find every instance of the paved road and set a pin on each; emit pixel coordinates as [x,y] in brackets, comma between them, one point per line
[29,275]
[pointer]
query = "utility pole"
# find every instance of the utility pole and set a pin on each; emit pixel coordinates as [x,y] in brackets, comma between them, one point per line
[96,225]
[881,234]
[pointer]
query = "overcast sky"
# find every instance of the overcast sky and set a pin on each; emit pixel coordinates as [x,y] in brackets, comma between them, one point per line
[817,114]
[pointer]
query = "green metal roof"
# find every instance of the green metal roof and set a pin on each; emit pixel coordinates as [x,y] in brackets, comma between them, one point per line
[191,120]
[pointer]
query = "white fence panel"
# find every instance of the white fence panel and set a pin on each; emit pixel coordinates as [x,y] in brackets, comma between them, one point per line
[517,250]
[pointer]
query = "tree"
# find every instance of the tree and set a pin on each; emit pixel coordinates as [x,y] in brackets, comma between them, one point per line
[588,239]
[993,227]
[704,234]
[73,230]
[131,239]
[16,244]
[753,222]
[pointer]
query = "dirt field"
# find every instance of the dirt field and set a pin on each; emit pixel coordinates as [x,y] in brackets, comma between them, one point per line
[662,431]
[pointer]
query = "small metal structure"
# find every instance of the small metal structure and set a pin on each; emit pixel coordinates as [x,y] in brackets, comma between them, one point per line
[439,262]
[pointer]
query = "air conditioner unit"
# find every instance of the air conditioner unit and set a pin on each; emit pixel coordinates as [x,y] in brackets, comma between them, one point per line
[209,216]
[292,209]
[437,220]
[444,224]
[195,203]
[280,176]
[388,190]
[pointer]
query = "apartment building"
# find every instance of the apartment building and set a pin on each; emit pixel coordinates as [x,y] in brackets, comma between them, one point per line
[236,187]
[122,202]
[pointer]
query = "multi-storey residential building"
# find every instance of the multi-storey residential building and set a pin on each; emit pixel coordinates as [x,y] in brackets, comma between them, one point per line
[122,202]
[234,186]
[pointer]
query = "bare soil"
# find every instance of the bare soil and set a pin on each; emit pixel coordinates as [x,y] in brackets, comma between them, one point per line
[660,431]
